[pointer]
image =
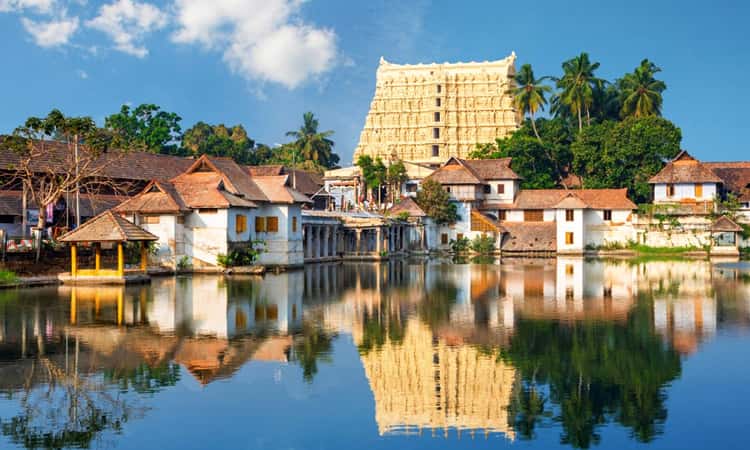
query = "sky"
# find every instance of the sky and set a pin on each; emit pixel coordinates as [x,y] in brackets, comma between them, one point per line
[263,63]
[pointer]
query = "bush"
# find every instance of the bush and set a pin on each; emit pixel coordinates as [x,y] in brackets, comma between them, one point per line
[8,277]
[484,245]
[184,264]
[241,256]
[460,245]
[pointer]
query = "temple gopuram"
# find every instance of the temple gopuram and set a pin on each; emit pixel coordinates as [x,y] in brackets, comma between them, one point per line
[429,112]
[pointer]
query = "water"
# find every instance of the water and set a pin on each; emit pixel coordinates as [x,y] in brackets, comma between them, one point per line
[410,354]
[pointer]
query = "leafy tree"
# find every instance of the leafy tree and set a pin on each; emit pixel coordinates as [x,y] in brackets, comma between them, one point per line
[312,144]
[218,140]
[395,177]
[374,173]
[435,202]
[577,87]
[531,159]
[529,96]
[146,128]
[641,92]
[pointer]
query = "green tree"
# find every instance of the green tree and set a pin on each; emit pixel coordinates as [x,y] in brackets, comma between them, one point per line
[641,92]
[146,128]
[435,202]
[530,159]
[219,140]
[312,144]
[313,344]
[374,174]
[529,96]
[577,87]
[395,177]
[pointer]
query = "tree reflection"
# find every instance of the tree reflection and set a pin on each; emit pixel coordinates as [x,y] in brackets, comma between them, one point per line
[596,373]
[314,343]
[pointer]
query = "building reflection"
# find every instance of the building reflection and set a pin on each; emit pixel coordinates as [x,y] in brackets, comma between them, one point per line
[446,349]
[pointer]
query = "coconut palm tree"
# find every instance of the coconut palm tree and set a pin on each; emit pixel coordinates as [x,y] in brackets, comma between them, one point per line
[313,145]
[577,87]
[641,92]
[529,95]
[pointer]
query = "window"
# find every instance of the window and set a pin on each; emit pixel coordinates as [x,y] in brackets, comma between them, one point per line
[569,269]
[181,219]
[607,214]
[444,238]
[294,224]
[698,191]
[240,223]
[459,236]
[272,224]
[437,116]
[208,211]
[607,292]
[436,133]
[569,293]
[438,102]
[439,88]
[7,218]
[412,187]
[435,150]
[260,224]
[487,188]
[151,219]
[568,238]
[447,189]
[569,215]
[501,188]
[501,214]
[533,215]
[670,190]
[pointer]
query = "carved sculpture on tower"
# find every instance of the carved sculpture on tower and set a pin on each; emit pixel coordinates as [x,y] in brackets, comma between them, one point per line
[429,112]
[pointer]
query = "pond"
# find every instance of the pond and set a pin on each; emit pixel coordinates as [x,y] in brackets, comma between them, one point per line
[547,353]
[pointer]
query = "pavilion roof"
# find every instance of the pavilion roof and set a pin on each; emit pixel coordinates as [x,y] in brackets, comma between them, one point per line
[407,205]
[725,224]
[108,227]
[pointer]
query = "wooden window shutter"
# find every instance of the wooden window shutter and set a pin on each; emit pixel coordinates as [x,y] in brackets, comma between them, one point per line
[260,224]
[272,224]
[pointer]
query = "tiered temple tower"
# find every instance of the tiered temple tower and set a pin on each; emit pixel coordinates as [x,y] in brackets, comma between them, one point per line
[430,112]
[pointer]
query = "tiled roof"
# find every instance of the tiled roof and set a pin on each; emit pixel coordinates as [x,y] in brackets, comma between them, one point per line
[91,204]
[108,227]
[584,198]
[685,169]
[235,175]
[120,165]
[529,237]
[308,183]
[204,190]
[277,189]
[736,176]
[159,197]
[473,171]
[408,205]
[725,224]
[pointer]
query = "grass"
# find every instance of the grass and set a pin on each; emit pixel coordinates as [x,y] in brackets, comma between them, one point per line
[648,250]
[8,277]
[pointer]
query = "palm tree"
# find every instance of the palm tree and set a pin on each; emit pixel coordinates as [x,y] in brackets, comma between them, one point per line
[313,145]
[577,87]
[529,95]
[641,92]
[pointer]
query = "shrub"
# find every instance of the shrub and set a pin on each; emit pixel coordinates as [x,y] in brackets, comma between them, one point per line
[241,256]
[184,263]
[8,277]
[460,245]
[484,245]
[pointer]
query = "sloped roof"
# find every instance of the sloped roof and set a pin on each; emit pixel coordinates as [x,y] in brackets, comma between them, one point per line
[115,164]
[91,204]
[233,175]
[725,224]
[685,169]
[576,198]
[108,227]
[342,172]
[736,176]
[473,171]
[492,169]
[408,205]
[208,190]
[530,237]
[277,189]
[159,197]
[477,215]
[306,182]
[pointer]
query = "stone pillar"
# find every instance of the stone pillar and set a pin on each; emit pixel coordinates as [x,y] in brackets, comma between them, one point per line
[308,241]
[379,240]
[316,240]
[358,244]
[324,241]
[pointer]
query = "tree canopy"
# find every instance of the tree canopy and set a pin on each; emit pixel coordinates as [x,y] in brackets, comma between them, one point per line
[435,202]
[146,128]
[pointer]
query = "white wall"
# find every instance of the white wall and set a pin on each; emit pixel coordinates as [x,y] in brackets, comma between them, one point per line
[683,191]
[575,227]
[165,230]
[206,236]
[285,246]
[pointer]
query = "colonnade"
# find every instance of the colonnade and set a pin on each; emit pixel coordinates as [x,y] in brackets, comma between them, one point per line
[326,241]
[321,241]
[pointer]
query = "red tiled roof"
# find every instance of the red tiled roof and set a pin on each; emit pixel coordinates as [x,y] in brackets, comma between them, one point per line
[108,227]
[308,183]
[91,204]
[159,197]
[685,169]
[725,224]
[584,198]
[408,205]
[473,171]
[277,189]
[736,176]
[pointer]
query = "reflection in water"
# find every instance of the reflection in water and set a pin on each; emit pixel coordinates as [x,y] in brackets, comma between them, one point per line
[496,349]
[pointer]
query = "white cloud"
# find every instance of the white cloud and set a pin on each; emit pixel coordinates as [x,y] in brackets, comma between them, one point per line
[127,22]
[41,6]
[52,33]
[260,39]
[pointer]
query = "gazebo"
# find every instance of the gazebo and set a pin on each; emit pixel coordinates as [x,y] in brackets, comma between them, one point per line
[725,235]
[110,228]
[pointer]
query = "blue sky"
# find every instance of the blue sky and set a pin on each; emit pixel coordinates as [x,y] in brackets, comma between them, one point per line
[262,63]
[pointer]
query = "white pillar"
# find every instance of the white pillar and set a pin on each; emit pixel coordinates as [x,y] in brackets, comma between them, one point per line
[358,245]
[308,241]
[326,236]
[379,240]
